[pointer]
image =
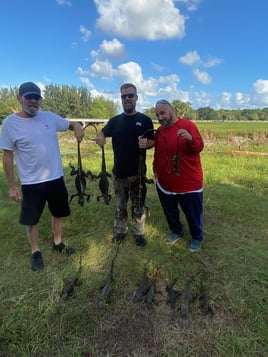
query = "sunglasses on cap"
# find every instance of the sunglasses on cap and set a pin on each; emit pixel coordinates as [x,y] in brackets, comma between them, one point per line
[130,96]
[32,96]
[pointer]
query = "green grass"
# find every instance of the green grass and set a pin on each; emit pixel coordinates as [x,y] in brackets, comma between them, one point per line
[227,130]
[232,264]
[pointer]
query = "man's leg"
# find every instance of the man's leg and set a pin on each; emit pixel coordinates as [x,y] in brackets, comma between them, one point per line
[121,199]
[56,224]
[36,257]
[58,245]
[33,235]
[169,204]
[192,206]
[137,194]
[57,198]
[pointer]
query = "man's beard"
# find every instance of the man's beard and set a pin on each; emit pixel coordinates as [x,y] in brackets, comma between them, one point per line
[129,108]
[32,111]
[165,122]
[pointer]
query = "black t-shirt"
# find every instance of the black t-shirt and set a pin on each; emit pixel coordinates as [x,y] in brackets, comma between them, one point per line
[125,130]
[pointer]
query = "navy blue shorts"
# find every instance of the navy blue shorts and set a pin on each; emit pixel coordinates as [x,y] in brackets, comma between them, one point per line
[34,198]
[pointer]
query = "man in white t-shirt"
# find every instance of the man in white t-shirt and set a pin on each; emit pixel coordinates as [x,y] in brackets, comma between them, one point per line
[30,138]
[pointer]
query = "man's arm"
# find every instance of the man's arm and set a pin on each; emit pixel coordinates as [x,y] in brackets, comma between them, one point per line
[100,139]
[8,165]
[77,129]
[150,144]
[145,143]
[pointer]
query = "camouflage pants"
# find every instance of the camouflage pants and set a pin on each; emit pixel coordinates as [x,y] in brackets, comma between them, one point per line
[124,189]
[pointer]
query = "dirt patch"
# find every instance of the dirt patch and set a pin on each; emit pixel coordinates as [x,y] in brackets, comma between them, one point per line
[142,330]
[134,332]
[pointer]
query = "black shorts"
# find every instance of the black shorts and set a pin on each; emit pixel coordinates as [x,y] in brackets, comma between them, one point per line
[34,198]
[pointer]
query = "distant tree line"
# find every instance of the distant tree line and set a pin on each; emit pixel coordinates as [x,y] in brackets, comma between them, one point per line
[69,102]
[184,109]
[73,102]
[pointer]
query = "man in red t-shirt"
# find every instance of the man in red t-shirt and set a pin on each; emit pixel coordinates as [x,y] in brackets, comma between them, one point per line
[178,172]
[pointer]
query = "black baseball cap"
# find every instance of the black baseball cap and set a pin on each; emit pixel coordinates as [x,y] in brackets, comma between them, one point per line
[29,88]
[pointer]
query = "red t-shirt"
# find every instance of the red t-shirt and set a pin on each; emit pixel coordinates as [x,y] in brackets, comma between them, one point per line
[177,163]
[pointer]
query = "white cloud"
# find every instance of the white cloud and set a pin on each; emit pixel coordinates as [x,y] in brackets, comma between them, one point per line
[102,69]
[193,59]
[200,100]
[202,76]
[82,72]
[171,78]
[150,19]
[226,98]
[211,62]
[261,92]
[152,88]
[86,33]
[130,72]
[190,58]
[158,67]
[261,86]
[110,50]
[87,82]
[241,100]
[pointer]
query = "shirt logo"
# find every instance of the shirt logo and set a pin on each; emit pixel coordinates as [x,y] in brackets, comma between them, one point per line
[138,123]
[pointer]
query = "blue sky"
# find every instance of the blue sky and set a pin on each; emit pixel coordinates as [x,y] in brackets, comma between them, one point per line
[206,52]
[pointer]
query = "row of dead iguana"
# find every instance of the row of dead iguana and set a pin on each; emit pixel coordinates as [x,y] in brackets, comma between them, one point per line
[179,300]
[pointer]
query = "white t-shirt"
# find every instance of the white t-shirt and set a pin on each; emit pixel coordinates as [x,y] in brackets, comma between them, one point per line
[35,145]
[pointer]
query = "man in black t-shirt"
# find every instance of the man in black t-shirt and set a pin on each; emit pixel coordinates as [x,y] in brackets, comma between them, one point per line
[129,147]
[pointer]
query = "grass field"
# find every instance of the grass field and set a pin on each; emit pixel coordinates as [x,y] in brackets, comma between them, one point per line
[231,267]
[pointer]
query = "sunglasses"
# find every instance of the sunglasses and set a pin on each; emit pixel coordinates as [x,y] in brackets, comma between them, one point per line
[130,96]
[32,96]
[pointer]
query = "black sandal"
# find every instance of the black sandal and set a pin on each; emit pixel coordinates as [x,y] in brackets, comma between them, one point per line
[62,248]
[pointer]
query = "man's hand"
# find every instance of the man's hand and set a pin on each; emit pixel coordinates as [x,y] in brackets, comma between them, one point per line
[100,139]
[184,134]
[142,142]
[78,132]
[15,194]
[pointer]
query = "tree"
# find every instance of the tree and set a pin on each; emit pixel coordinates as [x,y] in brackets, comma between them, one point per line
[263,115]
[63,100]
[206,113]
[72,102]
[182,109]
[150,113]
[8,102]
[85,103]
[102,108]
